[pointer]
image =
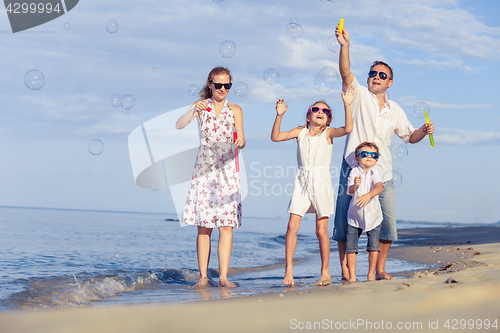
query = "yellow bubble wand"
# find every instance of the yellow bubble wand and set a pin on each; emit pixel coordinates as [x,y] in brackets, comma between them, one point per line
[341,24]
[431,137]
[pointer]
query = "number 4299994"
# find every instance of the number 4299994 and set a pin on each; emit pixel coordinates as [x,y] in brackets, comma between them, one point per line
[23,8]
[456,324]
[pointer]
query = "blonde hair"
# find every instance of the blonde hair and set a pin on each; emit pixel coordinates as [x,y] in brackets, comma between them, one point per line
[206,92]
[328,122]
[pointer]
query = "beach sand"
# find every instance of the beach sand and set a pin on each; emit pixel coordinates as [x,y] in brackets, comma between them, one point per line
[462,288]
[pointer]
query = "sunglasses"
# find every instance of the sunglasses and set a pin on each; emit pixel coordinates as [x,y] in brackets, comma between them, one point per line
[382,75]
[315,109]
[364,154]
[220,85]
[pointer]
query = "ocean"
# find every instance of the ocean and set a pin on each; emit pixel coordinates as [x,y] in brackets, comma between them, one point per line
[57,258]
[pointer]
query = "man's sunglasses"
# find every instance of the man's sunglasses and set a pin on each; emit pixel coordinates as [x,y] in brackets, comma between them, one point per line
[220,85]
[315,109]
[382,75]
[364,154]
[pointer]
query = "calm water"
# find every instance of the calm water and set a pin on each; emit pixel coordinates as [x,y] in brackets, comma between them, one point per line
[66,258]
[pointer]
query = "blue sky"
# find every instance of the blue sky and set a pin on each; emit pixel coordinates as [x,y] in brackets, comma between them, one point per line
[443,52]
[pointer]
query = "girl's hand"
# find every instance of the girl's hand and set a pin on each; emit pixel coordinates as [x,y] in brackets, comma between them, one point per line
[348,96]
[281,107]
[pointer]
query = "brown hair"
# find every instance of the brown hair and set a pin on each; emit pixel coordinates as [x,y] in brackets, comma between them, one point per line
[365,144]
[205,91]
[328,122]
[378,62]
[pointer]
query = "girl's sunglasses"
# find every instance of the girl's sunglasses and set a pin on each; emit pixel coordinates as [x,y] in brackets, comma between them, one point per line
[220,85]
[382,75]
[315,109]
[364,154]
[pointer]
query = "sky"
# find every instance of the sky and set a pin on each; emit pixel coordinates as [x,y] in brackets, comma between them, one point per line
[445,53]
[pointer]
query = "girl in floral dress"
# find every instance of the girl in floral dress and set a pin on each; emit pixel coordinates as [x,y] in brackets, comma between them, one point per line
[214,199]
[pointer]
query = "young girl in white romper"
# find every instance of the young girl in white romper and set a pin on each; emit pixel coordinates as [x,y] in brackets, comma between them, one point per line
[312,190]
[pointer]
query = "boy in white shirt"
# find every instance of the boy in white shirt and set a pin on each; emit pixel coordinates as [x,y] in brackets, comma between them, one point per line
[365,184]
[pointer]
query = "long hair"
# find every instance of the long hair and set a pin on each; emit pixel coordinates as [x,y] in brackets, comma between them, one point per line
[328,122]
[206,92]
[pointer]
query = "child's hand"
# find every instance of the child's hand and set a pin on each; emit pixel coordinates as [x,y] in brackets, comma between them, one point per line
[348,96]
[281,107]
[363,200]
[357,181]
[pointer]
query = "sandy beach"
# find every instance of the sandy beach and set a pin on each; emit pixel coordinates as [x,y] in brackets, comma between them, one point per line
[461,291]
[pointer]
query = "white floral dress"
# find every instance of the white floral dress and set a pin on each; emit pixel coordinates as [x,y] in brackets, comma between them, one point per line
[214,198]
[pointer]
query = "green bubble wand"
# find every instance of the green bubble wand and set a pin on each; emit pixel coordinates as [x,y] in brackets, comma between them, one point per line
[431,137]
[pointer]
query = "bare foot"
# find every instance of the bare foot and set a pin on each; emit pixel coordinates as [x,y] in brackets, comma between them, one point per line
[353,281]
[288,279]
[227,284]
[203,282]
[370,277]
[325,279]
[384,276]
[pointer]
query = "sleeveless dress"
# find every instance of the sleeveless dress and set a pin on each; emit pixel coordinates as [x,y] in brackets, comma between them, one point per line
[214,198]
[312,189]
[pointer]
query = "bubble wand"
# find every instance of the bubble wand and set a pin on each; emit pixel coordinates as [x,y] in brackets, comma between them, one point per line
[235,136]
[431,137]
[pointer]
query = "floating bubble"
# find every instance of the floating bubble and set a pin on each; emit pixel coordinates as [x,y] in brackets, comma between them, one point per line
[80,87]
[240,89]
[400,153]
[193,90]
[127,102]
[96,147]
[115,100]
[419,108]
[34,79]
[227,49]
[394,179]
[271,76]
[333,44]
[154,70]
[326,79]
[67,26]
[294,21]
[88,112]
[112,26]
[295,30]
[127,114]
[153,185]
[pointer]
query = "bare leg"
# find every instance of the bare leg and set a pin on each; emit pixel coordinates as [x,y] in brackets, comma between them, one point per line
[324,250]
[372,265]
[290,243]
[351,263]
[203,251]
[385,245]
[224,252]
[343,261]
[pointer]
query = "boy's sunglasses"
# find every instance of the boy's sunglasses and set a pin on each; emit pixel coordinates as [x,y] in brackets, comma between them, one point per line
[382,75]
[315,109]
[219,85]
[364,154]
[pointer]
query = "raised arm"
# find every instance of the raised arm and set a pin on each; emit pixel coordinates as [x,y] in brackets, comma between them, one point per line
[276,135]
[193,112]
[344,61]
[347,97]
[238,123]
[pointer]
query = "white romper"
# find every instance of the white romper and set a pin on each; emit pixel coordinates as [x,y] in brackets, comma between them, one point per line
[312,190]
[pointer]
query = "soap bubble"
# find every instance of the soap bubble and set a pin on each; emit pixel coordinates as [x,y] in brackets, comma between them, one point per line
[294,21]
[67,26]
[115,100]
[419,108]
[128,102]
[153,185]
[112,26]
[295,30]
[34,79]
[80,87]
[154,70]
[333,44]
[193,90]
[240,89]
[400,153]
[96,147]
[127,114]
[326,79]
[271,76]
[88,112]
[227,49]
[394,178]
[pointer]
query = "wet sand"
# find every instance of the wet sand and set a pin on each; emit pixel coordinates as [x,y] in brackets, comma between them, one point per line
[461,290]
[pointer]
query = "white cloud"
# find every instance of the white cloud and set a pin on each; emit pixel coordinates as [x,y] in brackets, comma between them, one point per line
[465,137]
